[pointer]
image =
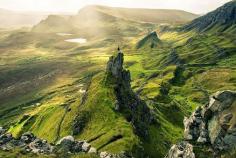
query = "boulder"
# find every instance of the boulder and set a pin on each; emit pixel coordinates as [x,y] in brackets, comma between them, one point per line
[77,147]
[65,145]
[85,147]
[27,137]
[66,140]
[181,150]
[92,150]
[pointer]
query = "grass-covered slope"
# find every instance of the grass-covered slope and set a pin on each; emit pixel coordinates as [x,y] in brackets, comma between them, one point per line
[100,124]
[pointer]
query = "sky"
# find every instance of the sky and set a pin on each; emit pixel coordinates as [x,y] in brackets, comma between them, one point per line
[194,6]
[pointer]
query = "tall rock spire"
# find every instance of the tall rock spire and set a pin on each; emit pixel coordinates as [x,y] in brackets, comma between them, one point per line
[127,102]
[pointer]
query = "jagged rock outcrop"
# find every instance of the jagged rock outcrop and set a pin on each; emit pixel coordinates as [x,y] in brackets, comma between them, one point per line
[214,124]
[127,102]
[151,40]
[115,69]
[225,17]
[27,142]
[181,150]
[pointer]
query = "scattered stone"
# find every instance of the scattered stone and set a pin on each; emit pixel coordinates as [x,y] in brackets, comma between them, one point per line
[85,147]
[92,150]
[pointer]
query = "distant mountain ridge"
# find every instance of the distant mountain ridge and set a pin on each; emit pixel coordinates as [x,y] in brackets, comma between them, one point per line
[223,17]
[103,21]
[11,18]
[145,15]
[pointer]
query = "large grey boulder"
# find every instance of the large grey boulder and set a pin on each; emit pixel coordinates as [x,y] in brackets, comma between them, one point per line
[181,150]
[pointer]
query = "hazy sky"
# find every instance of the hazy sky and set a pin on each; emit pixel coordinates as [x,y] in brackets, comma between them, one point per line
[196,6]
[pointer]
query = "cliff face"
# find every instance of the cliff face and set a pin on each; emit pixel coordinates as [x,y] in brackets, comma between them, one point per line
[127,102]
[224,16]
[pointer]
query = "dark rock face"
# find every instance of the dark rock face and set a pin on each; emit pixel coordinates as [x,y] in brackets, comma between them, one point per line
[224,16]
[135,110]
[151,40]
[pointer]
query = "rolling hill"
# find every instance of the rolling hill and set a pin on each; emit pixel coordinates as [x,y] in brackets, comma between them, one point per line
[16,19]
[145,15]
[104,21]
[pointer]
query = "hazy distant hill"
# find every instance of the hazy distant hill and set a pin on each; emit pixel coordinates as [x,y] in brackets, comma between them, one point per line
[10,18]
[18,19]
[146,15]
[102,21]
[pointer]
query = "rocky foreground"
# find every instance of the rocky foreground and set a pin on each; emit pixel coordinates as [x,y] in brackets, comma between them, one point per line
[28,143]
[213,125]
